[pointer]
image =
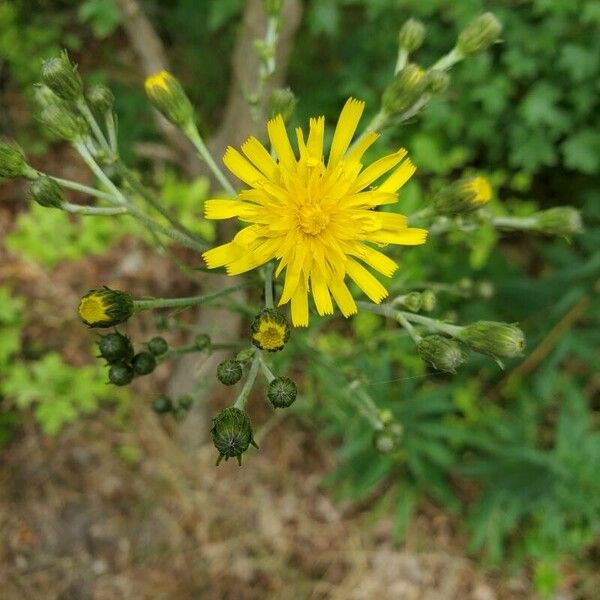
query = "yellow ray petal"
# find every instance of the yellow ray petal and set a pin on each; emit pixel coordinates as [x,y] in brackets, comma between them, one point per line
[369,199]
[300,306]
[375,259]
[281,142]
[378,168]
[292,274]
[407,237]
[320,293]
[223,209]
[345,129]
[314,145]
[261,158]
[356,154]
[343,297]
[392,221]
[221,255]
[241,168]
[399,177]
[366,281]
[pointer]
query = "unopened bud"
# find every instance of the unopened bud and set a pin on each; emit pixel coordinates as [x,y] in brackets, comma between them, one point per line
[232,434]
[46,192]
[63,123]
[169,98]
[202,341]
[115,348]
[404,90]
[562,220]
[120,374]
[104,307]
[441,353]
[100,98]
[270,330]
[143,363]
[411,35]
[438,81]
[61,76]
[44,96]
[13,163]
[388,439]
[229,372]
[162,405]
[428,300]
[479,35]
[272,7]
[411,301]
[282,392]
[158,345]
[463,196]
[500,340]
[282,102]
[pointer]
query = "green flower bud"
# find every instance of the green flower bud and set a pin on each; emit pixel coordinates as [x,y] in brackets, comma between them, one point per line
[405,89]
[185,402]
[438,81]
[428,300]
[120,374]
[272,7]
[115,347]
[61,76]
[201,341]
[162,405]
[158,346]
[169,98]
[232,434]
[63,123]
[485,289]
[143,363]
[412,301]
[100,98]
[411,35]
[229,372]
[44,96]
[282,392]
[46,192]
[463,196]
[500,340]
[13,163]
[479,35]
[282,102]
[104,307]
[441,353]
[562,220]
[388,439]
[270,330]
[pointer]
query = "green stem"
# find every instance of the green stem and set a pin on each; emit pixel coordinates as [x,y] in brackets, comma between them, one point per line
[514,223]
[265,369]
[401,61]
[184,302]
[78,209]
[89,117]
[191,131]
[79,187]
[448,60]
[365,404]
[378,122]
[111,127]
[416,338]
[245,393]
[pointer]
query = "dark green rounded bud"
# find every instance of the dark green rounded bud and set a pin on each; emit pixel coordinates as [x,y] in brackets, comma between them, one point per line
[185,402]
[441,353]
[232,434]
[120,374]
[428,300]
[162,405]
[438,81]
[282,392]
[411,35]
[46,192]
[169,98]
[13,163]
[115,347]
[561,220]
[405,89]
[500,340]
[229,372]
[479,35]
[143,363]
[270,330]
[282,102]
[202,341]
[158,345]
[104,307]
[63,123]
[61,76]
[100,98]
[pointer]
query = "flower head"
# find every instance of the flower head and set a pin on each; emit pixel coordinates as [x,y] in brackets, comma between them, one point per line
[168,97]
[270,330]
[315,216]
[105,307]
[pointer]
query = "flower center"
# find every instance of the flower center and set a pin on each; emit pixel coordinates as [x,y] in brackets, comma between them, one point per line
[312,219]
[92,309]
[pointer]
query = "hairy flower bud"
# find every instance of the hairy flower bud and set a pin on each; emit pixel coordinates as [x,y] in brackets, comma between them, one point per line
[463,196]
[404,90]
[100,98]
[270,330]
[561,220]
[44,96]
[104,307]
[120,374]
[63,123]
[46,192]
[282,102]
[13,163]
[232,434]
[500,340]
[115,347]
[169,98]
[143,363]
[411,35]
[438,81]
[229,372]
[202,341]
[158,345]
[162,405]
[441,353]
[282,392]
[428,300]
[479,34]
[412,301]
[61,76]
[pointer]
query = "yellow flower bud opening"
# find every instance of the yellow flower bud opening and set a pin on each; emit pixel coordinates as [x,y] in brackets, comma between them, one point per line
[480,188]
[105,307]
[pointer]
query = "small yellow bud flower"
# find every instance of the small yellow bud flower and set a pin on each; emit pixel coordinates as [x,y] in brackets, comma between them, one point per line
[270,330]
[169,98]
[406,88]
[105,307]
[463,196]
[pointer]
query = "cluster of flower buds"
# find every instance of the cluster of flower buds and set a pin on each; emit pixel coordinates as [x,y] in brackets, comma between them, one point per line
[388,437]
[123,362]
[164,405]
[232,434]
[463,196]
[416,301]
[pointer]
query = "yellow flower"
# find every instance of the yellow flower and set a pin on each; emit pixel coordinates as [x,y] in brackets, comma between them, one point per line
[270,330]
[315,217]
[105,307]
[480,189]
